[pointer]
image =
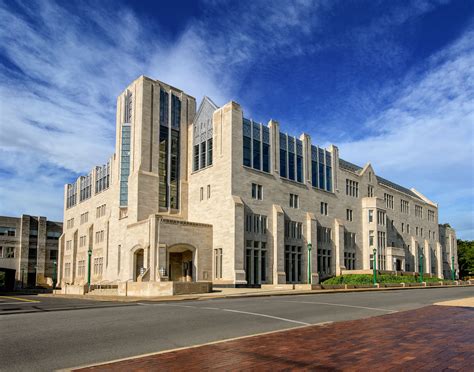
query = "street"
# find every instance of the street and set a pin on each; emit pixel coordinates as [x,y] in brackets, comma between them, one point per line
[53,333]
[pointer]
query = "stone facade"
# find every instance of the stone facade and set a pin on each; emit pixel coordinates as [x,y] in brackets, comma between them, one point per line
[29,245]
[211,195]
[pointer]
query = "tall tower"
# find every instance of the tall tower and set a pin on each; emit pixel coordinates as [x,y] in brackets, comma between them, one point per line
[151,146]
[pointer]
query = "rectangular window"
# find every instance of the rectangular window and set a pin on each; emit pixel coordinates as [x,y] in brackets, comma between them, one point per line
[352,188]
[404,206]
[371,238]
[283,172]
[209,152]
[257,191]
[431,215]
[291,166]
[294,201]
[203,155]
[299,168]
[403,227]
[322,178]
[196,158]
[381,218]
[324,208]
[266,157]
[371,216]
[418,211]
[7,252]
[349,214]
[370,191]
[81,268]
[124,164]
[201,194]
[388,200]
[247,152]
[163,168]
[256,154]
[208,191]
[174,170]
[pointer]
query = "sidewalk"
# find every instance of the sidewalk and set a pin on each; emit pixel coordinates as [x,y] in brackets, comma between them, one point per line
[426,339]
[238,293]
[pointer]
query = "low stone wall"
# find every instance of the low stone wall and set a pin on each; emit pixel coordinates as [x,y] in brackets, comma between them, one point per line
[154,289]
[74,289]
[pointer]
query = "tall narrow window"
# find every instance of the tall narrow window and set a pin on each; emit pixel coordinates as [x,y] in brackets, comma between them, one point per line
[256,154]
[124,165]
[203,154]
[196,158]
[266,157]
[209,151]
[163,168]
[174,170]
[247,150]
[291,158]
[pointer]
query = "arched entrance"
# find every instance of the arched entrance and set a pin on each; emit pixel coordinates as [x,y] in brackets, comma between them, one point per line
[138,267]
[181,263]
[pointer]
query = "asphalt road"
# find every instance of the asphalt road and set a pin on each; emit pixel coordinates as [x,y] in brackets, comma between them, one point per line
[62,333]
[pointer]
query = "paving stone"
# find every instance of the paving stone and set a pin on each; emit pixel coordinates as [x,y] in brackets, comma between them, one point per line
[433,338]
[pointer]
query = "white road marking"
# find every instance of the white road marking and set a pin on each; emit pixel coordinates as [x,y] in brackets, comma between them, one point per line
[233,311]
[343,305]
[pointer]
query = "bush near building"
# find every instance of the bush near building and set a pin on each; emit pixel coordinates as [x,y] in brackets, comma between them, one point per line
[466,258]
[368,279]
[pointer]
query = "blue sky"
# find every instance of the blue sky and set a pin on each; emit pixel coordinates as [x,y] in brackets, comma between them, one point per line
[390,82]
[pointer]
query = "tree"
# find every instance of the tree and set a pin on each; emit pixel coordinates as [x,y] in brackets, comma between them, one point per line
[466,257]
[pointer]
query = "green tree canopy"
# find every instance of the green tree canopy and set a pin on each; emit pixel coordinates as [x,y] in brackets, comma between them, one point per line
[466,257]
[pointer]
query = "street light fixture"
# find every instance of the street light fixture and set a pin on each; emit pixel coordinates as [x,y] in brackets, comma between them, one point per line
[375,266]
[421,267]
[55,264]
[310,246]
[89,255]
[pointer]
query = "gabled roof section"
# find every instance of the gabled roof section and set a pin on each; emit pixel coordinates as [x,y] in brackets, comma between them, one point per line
[207,107]
[344,164]
[424,198]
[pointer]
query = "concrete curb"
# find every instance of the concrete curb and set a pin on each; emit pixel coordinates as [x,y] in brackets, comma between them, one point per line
[241,295]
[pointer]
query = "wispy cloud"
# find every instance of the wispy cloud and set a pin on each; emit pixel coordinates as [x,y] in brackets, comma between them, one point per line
[425,137]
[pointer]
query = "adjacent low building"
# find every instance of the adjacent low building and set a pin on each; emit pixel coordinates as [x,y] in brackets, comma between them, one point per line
[210,195]
[29,250]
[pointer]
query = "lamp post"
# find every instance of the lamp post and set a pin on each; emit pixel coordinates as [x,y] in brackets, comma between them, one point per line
[375,266]
[89,255]
[452,268]
[310,246]
[421,267]
[54,273]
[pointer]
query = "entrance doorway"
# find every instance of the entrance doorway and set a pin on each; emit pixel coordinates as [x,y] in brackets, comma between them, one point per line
[181,265]
[398,264]
[139,263]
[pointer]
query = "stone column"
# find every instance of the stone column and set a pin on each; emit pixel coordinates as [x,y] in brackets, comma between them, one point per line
[306,139]
[275,147]
[22,273]
[414,254]
[239,241]
[278,232]
[427,254]
[439,260]
[311,236]
[338,246]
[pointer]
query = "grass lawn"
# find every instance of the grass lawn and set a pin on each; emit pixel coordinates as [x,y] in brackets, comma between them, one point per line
[368,279]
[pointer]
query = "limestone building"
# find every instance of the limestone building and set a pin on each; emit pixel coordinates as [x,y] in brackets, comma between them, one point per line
[207,194]
[29,249]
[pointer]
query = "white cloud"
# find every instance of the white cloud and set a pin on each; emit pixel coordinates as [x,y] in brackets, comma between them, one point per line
[425,138]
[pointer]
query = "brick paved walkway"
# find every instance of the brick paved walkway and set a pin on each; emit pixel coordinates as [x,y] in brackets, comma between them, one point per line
[430,339]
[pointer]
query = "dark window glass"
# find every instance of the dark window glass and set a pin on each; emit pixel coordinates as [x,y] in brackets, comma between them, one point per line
[283,172]
[163,168]
[314,173]
[174,170]
[328,179]
[247,156]
[299,168]
[266,157]
[196,158]
[209,151]
[256,154]
[175,112]
[164,109]
[321,176]
[203,154]
[291,166]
